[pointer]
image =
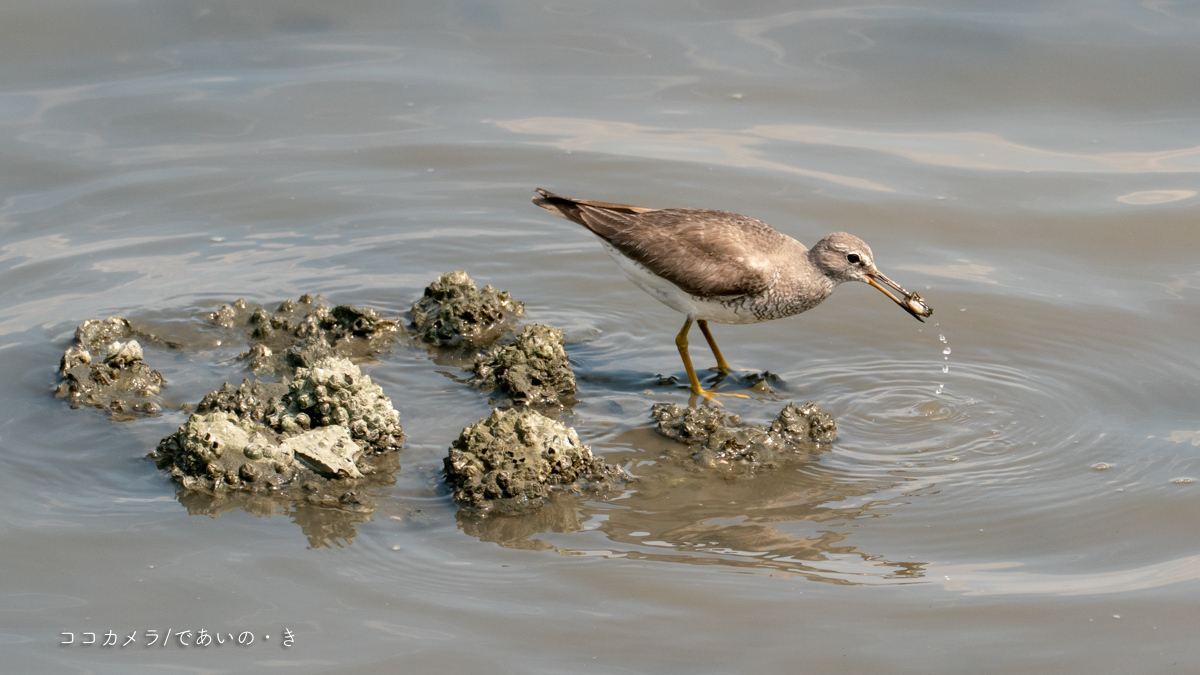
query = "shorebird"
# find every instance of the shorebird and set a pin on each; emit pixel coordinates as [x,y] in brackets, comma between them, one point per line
[724,267]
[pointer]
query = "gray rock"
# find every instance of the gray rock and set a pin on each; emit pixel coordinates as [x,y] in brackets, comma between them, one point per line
[252,400]
[329,450]
[721,440]
[123,354]
[219,450]
[801,425]
[514,459]
[532,370]
[301,332]
[454,313]
[95,335]
[104,369]
[321,425]
[335,392]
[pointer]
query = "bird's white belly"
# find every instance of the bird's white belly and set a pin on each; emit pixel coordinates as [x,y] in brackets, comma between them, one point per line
[674,297]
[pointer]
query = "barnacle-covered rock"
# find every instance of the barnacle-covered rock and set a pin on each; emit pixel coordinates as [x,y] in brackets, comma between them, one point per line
[95,334]
[218,449]
[532,370]
[323,424]
[454,313]
[806,424]
[301,332]
[226,316]
[104,368]
[335,392]
[724,441]
[761,382]
[514,459]
[251,400]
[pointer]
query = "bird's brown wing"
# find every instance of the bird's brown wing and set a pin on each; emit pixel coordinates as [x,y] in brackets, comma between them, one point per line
[705,253]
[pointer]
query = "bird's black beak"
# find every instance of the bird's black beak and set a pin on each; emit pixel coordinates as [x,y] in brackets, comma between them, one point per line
[912,303]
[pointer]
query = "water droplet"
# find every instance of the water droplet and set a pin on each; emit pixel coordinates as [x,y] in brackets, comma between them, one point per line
[946,369]
[217,239]
[1102,466]
[736,97]
[941,337]
[1183,480]
[939,389]
[946,351]
[1116,616]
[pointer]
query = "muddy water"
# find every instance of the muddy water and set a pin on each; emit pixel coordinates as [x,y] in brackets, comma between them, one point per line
[1021,503]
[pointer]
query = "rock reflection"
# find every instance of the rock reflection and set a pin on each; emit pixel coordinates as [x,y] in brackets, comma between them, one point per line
[328,514]
[787,519]
[560,513]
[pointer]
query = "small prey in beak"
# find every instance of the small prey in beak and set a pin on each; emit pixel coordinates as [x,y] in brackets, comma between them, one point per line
[912,303]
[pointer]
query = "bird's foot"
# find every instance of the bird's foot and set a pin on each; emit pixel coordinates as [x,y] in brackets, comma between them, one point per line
[729,370]
[710,395]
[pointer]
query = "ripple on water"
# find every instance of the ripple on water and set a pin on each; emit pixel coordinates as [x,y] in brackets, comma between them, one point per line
[993,426]
[992,421]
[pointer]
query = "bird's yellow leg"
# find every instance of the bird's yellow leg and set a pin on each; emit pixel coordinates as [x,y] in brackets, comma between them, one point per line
[722,364]
[681,342]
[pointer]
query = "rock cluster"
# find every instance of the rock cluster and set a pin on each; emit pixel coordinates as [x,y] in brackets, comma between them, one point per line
[722,440]
[263,435]
[300,332]
[314,436]
[514,459]
[531,370]
[104,368]
[453,313]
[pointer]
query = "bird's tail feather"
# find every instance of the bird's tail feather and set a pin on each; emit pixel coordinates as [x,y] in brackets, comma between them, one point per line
[559,206]
[571,208]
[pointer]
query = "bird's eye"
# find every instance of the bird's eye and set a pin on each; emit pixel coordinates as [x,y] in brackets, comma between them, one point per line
[853,258]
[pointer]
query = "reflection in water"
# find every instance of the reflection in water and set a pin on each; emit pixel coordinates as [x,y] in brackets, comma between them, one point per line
[1006,578]
[708,146]
[560,513]
[745,148]
[966,271]
[1185,436]
[785,519]
[328,514]
[1146,197]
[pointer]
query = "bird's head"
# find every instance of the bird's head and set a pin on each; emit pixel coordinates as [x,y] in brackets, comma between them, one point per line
[844,257]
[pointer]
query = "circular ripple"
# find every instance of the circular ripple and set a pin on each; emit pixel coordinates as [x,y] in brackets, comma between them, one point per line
[987,418]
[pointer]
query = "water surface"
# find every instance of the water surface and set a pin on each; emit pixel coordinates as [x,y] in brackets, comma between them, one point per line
[1023,503]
